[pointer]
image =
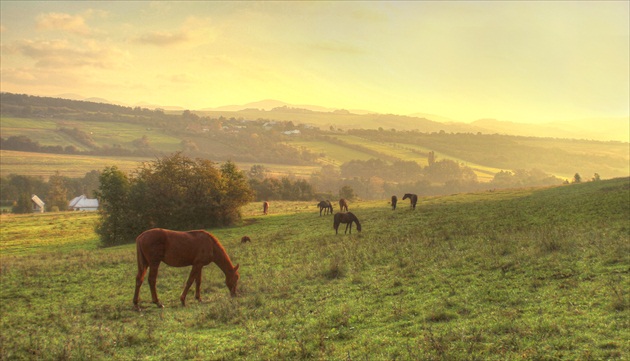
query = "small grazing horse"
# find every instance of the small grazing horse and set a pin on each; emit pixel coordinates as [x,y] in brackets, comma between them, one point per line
[346,218]
[265,207]
[325,206]
[245,239]
[343,205]
[394,201]
[181,249]
[413,198]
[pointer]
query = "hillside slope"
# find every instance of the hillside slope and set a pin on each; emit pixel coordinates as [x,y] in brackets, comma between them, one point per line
[523,273]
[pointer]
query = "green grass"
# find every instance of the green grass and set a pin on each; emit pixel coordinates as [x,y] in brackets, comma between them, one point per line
[334,154]
[537,274]
[103,133]
[405,151]
[75,166]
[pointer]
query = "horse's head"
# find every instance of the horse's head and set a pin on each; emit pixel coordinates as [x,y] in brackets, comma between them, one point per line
[406,196]
[231,279]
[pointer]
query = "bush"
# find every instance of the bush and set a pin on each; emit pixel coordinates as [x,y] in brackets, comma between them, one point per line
[173,192]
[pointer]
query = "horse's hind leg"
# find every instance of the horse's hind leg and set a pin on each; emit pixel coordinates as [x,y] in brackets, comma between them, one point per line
[153,272]
[192,277]
[139,279]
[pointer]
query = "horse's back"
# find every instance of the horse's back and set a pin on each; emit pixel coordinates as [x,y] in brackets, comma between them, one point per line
[176,248]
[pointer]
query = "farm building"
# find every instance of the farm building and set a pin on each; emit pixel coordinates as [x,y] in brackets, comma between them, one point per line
[83,203]
[38,204]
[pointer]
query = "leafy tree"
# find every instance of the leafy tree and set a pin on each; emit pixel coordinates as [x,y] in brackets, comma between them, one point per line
[173,192]
[347,192]
[596,177]
[257,171]
[57,193]
[116,224]
[23,204]
[577,178]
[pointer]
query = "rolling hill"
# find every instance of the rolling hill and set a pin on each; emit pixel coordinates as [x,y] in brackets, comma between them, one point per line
[256,136]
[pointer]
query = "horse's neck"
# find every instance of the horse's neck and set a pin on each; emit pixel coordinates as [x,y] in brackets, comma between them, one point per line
[222,259]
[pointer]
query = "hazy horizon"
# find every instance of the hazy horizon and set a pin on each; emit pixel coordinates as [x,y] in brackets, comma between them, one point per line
[527,62]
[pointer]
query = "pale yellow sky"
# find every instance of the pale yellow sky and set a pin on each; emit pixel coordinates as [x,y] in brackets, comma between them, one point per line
[525,61]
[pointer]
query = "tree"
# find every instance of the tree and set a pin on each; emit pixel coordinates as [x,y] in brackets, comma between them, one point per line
[22,205]
[173,192]
[577,178]
[257,171]
[347,192]
[57,193]
[596,177]
[115,225]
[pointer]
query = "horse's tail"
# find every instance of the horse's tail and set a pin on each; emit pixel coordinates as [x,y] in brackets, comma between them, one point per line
[142,259]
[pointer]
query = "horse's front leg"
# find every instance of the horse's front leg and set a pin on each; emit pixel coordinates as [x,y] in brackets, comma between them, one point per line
[191,278]
[198,285]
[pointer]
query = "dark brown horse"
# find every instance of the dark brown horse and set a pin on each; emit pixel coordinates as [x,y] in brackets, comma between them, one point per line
[394,201]
[343,205]
[346,218]
[325,206]
[181,249]
[265,207]
[413,198]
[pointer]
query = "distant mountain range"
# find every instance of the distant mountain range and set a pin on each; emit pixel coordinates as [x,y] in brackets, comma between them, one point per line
[605,129]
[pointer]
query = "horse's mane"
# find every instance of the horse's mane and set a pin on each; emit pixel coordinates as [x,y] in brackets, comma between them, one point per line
[220,250]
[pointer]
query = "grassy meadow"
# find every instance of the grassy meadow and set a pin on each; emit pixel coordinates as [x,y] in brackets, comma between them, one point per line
[525,274]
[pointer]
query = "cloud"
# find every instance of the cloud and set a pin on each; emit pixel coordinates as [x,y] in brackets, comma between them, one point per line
[17,75]
[60,21]
[63,54]
[194,31]
[159,38]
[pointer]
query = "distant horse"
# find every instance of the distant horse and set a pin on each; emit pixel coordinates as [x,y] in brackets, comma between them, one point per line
[346,218]
[265,207]
[343,205]
[325,206]
[181,249]
[413,198]
[245,239]
[394,201]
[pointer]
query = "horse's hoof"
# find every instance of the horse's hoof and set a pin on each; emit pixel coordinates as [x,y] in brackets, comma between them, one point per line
[137,308]
[159,304]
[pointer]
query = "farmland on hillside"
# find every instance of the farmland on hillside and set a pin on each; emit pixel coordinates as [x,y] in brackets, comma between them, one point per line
[64,127]
[536,273]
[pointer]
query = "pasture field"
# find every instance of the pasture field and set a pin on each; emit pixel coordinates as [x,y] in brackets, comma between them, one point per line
[102,133]
[75,166]
[334,154]
[405,151]
[521,274]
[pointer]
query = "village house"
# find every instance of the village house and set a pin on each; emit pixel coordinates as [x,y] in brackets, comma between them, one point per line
[38,204]
[83,203]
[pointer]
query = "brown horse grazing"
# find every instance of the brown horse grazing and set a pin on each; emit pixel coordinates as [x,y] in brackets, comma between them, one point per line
[245,239]
[343,205]
[181,249]
[394,201]
[346,218]
[325,206]
[265,207]
[413,198]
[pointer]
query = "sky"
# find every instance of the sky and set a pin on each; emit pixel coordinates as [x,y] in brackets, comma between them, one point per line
[523,61]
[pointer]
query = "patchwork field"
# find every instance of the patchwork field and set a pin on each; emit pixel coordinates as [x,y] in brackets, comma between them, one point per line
[536,274]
